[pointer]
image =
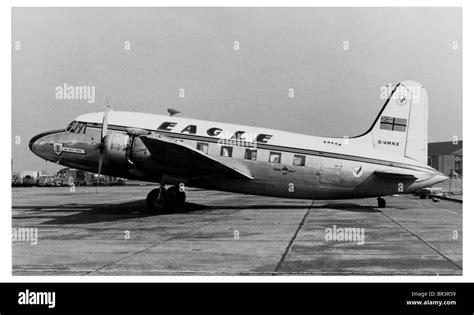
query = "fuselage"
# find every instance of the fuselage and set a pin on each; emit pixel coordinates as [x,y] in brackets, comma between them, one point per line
[282,164]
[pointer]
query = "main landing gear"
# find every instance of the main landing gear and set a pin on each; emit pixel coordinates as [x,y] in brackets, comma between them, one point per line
[161,197]
[381,202]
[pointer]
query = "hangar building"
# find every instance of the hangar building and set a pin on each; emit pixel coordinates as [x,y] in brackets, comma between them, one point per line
[446,156]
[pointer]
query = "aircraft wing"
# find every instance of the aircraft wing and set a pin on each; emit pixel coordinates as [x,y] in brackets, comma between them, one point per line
[177,154]
[394,175]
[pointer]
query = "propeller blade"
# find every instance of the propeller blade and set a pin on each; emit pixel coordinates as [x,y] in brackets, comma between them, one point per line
[101,145]
[105,122]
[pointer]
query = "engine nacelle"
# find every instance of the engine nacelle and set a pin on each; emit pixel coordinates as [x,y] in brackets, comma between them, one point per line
[115,149]
[139,153]
[124,151]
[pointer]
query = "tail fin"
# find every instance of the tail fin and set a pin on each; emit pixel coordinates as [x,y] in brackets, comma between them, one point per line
[402,124]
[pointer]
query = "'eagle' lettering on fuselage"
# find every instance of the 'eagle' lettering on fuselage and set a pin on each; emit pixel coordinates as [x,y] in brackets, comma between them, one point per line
[214,132]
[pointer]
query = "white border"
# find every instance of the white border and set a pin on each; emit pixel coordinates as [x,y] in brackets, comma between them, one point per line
[5,211]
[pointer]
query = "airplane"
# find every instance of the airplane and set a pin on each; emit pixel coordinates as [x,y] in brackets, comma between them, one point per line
[389,158]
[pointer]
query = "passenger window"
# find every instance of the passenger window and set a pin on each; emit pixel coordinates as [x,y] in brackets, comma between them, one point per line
[299,160]
[275,157]
[226,151]
[251,154]
[203,147]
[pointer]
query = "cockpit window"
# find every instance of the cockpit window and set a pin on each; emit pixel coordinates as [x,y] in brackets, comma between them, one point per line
[71,126]
[81,128]
[76,127]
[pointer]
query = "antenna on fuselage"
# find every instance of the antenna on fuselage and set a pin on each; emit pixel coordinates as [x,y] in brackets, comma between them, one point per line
[173,111]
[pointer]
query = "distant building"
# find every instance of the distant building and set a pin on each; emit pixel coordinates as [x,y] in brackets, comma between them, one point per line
[67,176]
[64,177]
[16,179]
[29,178]
[445,156]
[25,178]
[46,180]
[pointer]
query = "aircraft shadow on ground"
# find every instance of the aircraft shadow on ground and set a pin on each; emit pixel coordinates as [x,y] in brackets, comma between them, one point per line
[351,207]
[97,213]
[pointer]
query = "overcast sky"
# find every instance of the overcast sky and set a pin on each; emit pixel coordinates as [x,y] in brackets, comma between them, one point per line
[336,91]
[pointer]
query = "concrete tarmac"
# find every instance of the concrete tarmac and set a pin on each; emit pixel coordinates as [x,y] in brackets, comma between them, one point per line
[218,233]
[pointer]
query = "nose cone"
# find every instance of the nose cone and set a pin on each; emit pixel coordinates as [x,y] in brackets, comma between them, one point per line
[34,143]
[42,144]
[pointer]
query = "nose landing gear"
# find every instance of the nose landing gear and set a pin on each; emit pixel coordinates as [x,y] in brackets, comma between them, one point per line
[160,198]
[381,202]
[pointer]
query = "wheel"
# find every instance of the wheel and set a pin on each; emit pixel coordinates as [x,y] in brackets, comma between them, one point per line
[173,195]
[180,197]
[156,199]
[381,202]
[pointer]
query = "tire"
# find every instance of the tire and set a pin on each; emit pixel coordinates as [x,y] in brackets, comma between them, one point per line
[381,203]
[180,197]
[174,196]
[156,199]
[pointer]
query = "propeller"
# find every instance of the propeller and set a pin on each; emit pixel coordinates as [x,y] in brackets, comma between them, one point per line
[102,144]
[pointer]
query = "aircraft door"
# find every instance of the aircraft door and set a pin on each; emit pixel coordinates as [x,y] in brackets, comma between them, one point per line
[330,171]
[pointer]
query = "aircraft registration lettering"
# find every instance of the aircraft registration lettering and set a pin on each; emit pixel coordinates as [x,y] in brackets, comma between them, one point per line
[394,143]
